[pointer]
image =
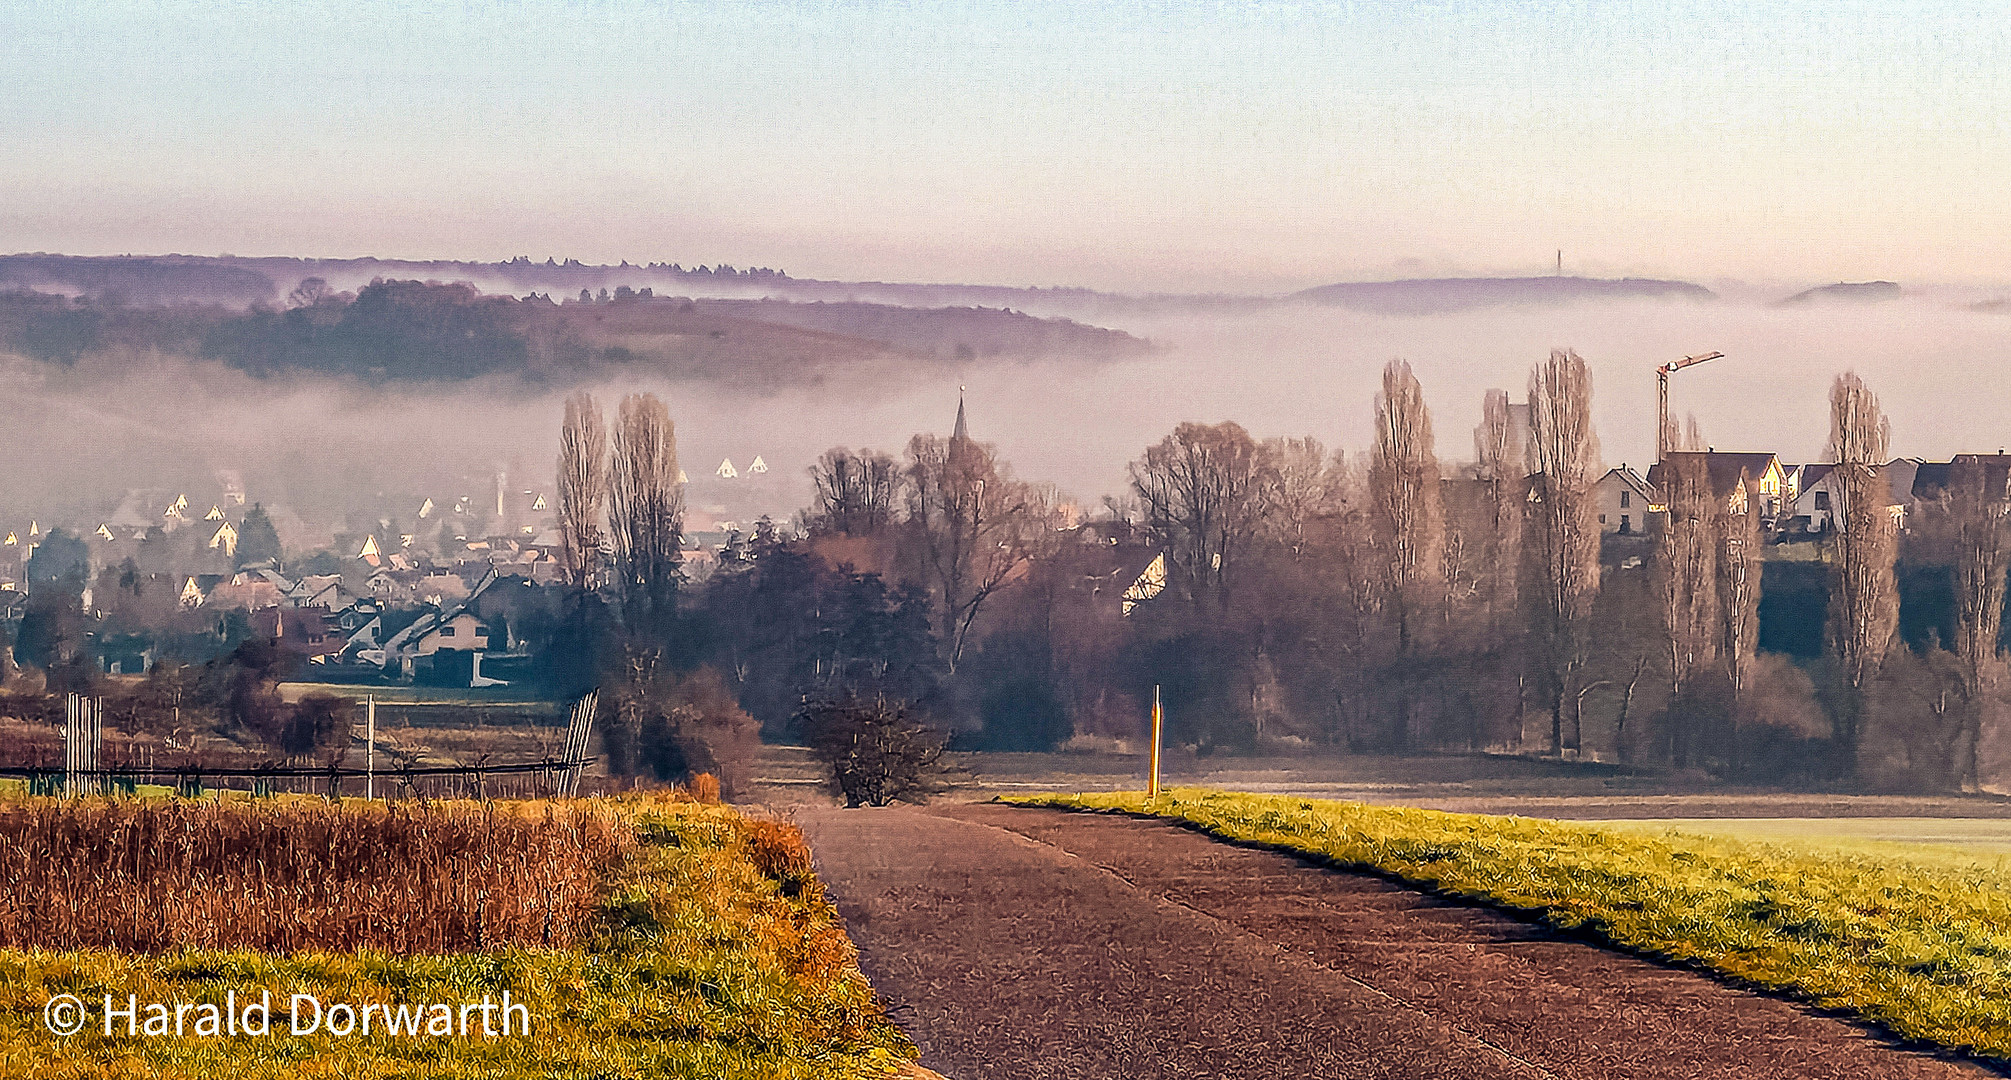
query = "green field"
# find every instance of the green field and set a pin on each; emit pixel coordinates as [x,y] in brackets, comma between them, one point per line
[1858,915]
[1984,843]
[489,697]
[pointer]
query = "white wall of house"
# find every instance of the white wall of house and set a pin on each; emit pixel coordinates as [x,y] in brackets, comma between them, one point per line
[463,631]
[1623,509]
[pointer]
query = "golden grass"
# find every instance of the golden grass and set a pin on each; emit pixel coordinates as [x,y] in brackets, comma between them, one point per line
[156,875]
[1922,948]
[713,954]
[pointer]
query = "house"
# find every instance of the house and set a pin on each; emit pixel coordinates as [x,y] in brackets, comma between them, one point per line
[197,588]
[1623,497]
[305,631]
[1814,502]
[318,590]
[437,645]
[1743,480]
[1149,583]
[367,639]
[1106,571]
[441,588]
[353,617]
[459,630]
[1932,479]
[1817,500]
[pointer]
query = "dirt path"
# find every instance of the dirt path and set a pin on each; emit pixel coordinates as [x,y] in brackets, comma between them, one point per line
[1031,943]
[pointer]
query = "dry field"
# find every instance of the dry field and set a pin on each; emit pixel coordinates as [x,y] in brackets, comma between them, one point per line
[657,935]
[157,875]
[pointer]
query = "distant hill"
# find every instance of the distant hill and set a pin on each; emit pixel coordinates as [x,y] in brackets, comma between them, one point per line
[1847,292]
[412,331]
[237,281]
[1435,295]
[951,333]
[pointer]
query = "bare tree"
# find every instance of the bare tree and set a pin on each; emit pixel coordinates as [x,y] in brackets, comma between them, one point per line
[975,525]
[1404,498]
[583,484]
[1203,492]
[1864,600]
[1503,469]
[1687,552]
[1979,496]
[1565,453]
[1306,485]
[1741,560]
[646,503]
[856,494]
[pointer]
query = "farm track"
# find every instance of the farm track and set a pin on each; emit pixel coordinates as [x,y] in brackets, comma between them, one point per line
[1034,943]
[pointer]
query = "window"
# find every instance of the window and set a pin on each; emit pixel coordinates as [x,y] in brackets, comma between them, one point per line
[1602,519]
[1626,499]
[1822,500]
[1626,525]
[446,631]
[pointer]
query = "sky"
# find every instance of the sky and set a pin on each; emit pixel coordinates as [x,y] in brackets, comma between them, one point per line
[1155,146]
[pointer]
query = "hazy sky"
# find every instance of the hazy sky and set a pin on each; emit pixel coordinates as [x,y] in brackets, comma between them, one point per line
[1136,146]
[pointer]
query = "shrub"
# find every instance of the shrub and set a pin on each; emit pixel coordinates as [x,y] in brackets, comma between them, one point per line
[877,752]
[676,728]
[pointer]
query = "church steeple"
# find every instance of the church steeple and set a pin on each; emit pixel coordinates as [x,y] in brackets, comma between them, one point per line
[961,433]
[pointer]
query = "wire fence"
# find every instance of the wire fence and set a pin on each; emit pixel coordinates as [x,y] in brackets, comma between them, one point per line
[543,778]
[84,773]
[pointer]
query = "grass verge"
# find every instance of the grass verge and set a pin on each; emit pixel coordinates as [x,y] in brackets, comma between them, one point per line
[714,953]
[1922,949]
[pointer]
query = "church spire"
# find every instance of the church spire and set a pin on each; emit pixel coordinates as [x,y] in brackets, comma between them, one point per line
[961,433]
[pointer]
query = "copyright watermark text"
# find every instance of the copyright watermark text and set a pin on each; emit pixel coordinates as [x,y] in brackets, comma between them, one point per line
[305,1014]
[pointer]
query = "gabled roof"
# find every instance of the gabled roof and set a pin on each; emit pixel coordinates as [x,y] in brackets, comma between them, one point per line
[1632,479]
[420,626]
[394,621]
[1931,479]
[1814,472]
[435,618]
[1724,469]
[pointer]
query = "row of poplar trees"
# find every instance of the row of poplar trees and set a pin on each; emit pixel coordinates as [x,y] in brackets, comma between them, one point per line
[1528,557]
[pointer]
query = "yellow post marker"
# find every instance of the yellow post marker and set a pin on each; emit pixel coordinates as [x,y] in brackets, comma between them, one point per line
[1158,728]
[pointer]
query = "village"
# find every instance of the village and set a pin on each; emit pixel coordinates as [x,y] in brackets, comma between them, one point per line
[430,598]
[447,597]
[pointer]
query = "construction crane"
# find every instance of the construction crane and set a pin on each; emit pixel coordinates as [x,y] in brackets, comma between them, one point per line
[1662,374]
